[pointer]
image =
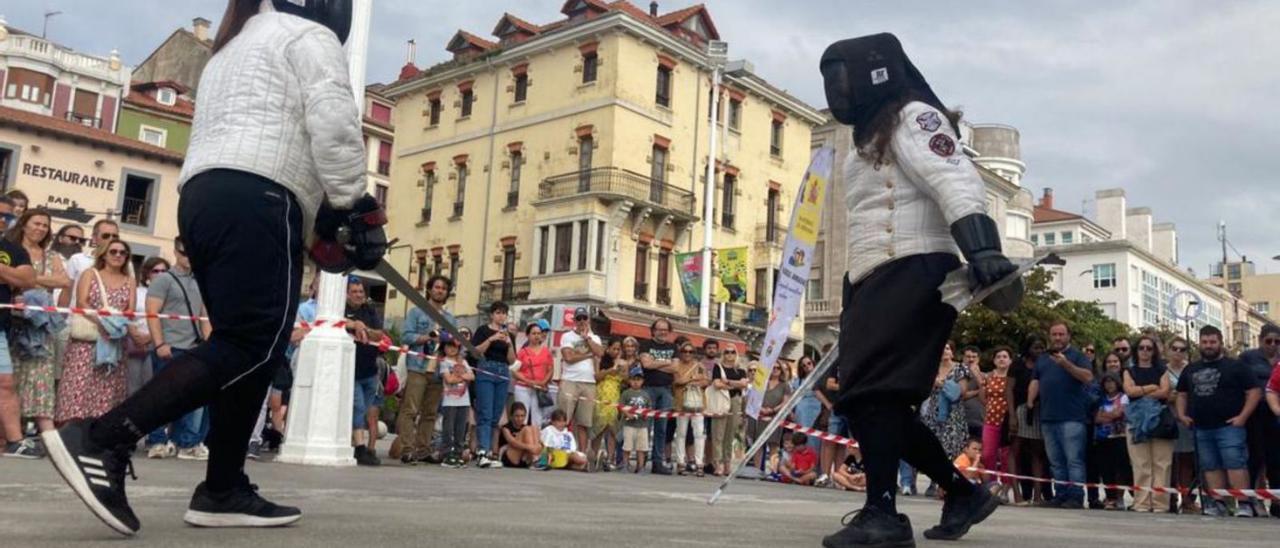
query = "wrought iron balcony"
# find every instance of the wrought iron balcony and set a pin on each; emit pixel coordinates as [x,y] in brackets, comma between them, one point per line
[616,183]
[134,211]
[84,120]
[514,290]
[767,236]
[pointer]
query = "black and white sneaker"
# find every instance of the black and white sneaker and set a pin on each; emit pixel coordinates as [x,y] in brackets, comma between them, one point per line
[25,449]
[960,512]
[95,474]
[238,507]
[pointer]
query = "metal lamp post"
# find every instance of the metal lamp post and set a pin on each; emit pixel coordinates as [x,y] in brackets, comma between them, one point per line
[717,54]
[1187,314]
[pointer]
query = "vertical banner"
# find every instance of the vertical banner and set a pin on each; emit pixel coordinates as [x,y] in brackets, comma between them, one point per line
[797,258]
[733,273]
[689,265]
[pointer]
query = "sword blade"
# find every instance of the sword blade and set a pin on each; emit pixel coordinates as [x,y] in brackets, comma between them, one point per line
[393,277]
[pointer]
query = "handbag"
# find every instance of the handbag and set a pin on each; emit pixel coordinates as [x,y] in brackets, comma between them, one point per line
[84,329]
[716,401]
[1167,428]
[544,398]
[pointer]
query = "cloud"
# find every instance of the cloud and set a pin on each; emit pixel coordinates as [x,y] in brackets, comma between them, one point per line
[1171,100]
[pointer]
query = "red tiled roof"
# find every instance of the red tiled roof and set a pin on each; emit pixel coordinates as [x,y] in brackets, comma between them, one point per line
[472,40]
[180,107]
[518,23]
[679,16]
[624,5]
[1047,215]
[77,132]
[144,86]
[599,4]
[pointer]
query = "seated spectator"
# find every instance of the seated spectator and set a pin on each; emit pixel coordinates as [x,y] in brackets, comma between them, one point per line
[635,428]
[1110,440]
[803,467]
[520,445]
[560,445]
[780,459]
[969,461]
[850,476]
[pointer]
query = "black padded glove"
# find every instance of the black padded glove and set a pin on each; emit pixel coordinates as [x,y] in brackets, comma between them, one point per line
[350,238]
[979,241]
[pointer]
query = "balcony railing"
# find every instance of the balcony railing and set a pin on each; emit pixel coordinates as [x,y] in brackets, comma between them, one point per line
[770,236]
[135,211]
[513,198]
[31,46]
[642,291]
[739,314]
[618,182]
[84,120]
[821,307]
[514,290]
[457,209]
[664,296]
[384,168]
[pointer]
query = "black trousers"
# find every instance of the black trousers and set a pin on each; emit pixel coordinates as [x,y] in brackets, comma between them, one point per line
[243,234]
[1264,447]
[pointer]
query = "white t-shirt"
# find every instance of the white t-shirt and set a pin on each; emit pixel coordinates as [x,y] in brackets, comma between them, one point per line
[455,395]
[554,438]
[582,370]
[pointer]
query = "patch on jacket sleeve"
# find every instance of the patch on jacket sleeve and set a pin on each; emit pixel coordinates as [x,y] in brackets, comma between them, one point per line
[942,145]
[929,121]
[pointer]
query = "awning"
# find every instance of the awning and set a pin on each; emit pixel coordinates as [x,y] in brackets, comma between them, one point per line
[623,323]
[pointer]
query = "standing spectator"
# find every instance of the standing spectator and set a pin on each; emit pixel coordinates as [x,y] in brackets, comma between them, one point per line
[521,446]
[943,412]
[1151,458]
[533,378]
[456,374]
[1216,397]
[724,429]
[809,407]
[997,395]
[16,275]
[658,357]
[579,350]
[20,201]
[104,231]
[1091,354]
[974,412]
[1109,437]
[1028,441]
[68,242]
[832,452]
[1113,364]
[138,366]
[176,292]
[1264,426]
[33,340]
[365,324]
[493,341]
[560,445]
[801,468]
[619,357]
[776,392]
[91,386]
[635,428]
[1061,379]
[424,389]
[1184,456]
[691,379]
[1124,350]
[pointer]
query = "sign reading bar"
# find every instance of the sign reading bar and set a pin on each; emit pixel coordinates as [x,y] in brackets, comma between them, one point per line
[69,177]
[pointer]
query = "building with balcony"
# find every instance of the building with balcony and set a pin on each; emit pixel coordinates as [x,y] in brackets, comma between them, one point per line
[565,162]
[995,152]
[41,77]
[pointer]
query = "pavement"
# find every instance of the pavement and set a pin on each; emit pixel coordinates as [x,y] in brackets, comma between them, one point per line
[396,505]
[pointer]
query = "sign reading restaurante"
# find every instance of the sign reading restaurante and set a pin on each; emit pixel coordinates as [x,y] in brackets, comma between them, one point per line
[70,177]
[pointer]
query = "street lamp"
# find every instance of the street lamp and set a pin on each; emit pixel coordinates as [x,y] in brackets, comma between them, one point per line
[1186,313]
[717,55]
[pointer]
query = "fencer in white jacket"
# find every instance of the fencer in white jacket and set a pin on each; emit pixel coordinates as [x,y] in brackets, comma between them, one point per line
[276,147]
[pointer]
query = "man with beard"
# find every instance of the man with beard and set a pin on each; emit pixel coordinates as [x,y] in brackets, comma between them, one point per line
[1060,388]
[916,203]
[1218,396]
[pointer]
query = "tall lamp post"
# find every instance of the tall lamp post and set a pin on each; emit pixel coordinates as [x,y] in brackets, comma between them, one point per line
[717,55]
[1187,314]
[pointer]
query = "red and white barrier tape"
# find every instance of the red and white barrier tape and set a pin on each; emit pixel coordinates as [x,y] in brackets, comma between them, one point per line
[102,312]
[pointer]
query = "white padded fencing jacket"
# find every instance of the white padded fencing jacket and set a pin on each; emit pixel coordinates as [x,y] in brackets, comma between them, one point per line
[906,205]
[277,101]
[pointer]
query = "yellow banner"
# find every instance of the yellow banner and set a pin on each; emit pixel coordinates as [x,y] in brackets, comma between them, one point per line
[808,217]
[733,275]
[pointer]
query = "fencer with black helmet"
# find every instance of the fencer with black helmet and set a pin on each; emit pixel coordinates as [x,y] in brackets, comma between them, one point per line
[334,14]
[861,76]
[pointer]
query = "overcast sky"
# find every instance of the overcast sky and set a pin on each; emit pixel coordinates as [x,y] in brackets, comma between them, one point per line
[1166,99]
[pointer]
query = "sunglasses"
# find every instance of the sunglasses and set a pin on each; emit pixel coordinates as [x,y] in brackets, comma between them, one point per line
[1271,342]
[1147,348]
[118,253]
[108,236]
[76,239]
[1177,349]
[1089,350]
[686,350]
[727,352]
[159,270]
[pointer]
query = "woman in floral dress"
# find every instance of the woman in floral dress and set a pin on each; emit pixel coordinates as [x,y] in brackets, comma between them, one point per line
[952,432]
[89,390]
[34,371]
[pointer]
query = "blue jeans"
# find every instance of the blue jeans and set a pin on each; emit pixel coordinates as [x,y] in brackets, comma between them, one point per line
[364,397]
[906,476]
[189,430]
[1222,448]
[1065,443]
[807,412]
[662,401]
[492,379]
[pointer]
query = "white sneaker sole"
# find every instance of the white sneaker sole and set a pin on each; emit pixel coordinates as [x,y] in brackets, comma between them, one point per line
[212,519]
[70,473]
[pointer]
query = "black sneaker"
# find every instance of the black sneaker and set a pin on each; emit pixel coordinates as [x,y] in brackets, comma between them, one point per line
[94,473]
[365,457]
[238,507]
[872,527]
[27,448]
[255,450]
[660,470]
[960,512]
[408,460]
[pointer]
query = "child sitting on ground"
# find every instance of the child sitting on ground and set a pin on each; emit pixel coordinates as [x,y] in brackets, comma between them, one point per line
[803,468]
[780,459]
[561,448]
[635,429]
[850,475]
[971,457]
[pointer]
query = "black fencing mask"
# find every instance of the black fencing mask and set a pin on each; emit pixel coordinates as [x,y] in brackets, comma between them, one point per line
[334,14]
[863,75]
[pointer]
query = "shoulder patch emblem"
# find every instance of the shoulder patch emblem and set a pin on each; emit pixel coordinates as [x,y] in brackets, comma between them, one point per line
[942,145]
[929,121]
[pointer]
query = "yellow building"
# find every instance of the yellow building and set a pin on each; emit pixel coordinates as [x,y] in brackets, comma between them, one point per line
[565,163]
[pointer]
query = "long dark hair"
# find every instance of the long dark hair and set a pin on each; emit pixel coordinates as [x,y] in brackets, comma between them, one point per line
[18,232]
[238,11]
[144,275]
[879,132]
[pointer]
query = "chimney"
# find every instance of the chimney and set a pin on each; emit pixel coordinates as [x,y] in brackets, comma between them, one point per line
[413,51]
[1164,241]
[653,9]
[1137,225]
[200,27]
[1046,201]
[1111,211]
[409,70]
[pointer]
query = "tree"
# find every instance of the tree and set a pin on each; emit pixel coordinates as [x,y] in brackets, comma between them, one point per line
[1041,306]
